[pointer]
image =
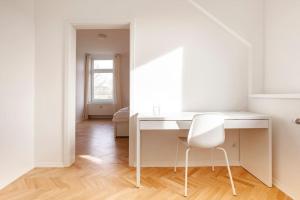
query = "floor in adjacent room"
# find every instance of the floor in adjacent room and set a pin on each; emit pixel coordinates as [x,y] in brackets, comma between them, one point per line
[101,171]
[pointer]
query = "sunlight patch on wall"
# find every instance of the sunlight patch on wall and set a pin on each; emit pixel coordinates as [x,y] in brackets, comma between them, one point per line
[159,83]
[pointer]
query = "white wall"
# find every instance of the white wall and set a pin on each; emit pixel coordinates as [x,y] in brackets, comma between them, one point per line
[282,46]
[245,17]
[209,59]
[16,88]
[117,42]
[286,141]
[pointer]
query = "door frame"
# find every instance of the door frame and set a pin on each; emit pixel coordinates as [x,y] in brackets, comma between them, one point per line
[69,90]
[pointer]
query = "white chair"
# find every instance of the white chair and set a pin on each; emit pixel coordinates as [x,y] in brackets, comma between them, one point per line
[206,131]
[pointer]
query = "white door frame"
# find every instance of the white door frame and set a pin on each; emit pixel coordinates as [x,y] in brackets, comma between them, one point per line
[69,110]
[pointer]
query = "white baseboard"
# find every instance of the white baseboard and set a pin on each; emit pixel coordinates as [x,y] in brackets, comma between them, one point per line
[200,163]
[283,188]
[49,164]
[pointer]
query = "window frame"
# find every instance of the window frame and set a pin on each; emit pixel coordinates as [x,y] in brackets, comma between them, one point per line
[93,71]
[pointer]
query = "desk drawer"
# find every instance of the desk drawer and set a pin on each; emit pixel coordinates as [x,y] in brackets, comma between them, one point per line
[229,124]
[164,125]
[246,124]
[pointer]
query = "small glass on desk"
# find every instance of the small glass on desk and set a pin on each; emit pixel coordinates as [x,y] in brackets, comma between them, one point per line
[156,109]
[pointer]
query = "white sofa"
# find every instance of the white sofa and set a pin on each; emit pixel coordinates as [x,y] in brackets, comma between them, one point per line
[121,122]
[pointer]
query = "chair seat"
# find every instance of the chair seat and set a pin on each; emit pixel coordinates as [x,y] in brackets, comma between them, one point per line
[183,140]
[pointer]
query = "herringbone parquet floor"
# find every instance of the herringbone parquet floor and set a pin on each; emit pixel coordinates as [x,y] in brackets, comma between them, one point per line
[101,172]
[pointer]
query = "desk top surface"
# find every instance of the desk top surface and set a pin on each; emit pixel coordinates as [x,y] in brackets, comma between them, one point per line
[187,116]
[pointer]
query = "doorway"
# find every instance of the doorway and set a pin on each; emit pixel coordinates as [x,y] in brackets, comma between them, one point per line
[102,94]
[101,105]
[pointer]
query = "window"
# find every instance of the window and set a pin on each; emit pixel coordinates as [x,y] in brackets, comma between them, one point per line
[102,80]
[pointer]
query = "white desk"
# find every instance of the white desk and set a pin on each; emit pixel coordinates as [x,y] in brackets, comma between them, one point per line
[255,138]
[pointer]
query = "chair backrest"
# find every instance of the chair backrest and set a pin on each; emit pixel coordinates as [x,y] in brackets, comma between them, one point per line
[207,131]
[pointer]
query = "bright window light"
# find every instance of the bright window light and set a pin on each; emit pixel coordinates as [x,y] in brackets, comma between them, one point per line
[102,86]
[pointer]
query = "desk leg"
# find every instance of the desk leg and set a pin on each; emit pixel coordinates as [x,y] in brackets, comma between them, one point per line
[138,154]
[270,157]
[256,153]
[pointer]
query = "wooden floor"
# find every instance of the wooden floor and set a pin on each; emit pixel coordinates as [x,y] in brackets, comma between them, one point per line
[101,172]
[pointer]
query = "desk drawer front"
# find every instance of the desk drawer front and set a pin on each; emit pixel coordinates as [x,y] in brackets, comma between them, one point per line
[175,125]
[247,124]
[164,125]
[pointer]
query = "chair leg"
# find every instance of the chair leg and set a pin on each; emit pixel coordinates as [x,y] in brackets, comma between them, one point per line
[176,156]
[229,171]
[186,171]
[212,160]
